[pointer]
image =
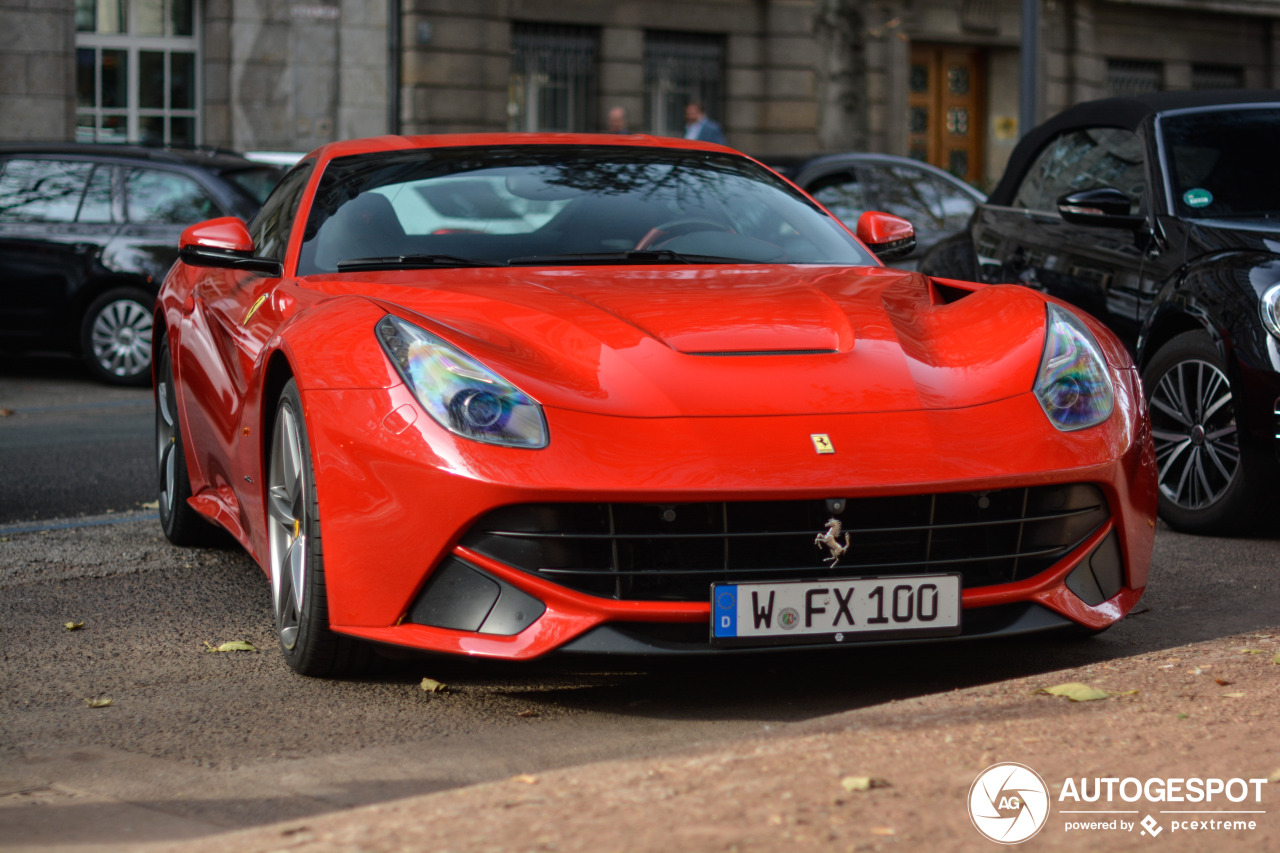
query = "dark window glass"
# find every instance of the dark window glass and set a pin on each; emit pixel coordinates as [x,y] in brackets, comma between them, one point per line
[842,194]
[1223,163]
[182,81]
[96,206]
[151,79]
[182,131]
[566,202]
[270,228]
[182,20]
[932,204]
[151,130]
[86,72]
[153,196]
[115,78]
[1085,160]
[42,190]
[1128,77]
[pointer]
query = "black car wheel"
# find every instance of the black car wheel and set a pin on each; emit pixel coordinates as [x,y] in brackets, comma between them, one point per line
[115,336]
[297,557]
[182,525]
[1206,479]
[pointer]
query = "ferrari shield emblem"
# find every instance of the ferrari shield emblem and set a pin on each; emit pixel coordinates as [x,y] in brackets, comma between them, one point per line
[822,443]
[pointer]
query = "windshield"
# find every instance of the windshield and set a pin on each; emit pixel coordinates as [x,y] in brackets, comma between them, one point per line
[1224,163]
[560,205]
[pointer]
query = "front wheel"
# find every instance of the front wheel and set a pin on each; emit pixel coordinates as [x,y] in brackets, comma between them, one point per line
[298,591]
[1207,475]
[115,336]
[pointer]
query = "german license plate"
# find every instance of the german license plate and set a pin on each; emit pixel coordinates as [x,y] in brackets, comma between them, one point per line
[835,610]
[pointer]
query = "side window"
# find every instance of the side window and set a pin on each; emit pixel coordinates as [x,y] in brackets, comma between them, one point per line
[270,228]
[96,208]
[843,195]
[42,190]
[153,196]
[932,204]
[1084,160]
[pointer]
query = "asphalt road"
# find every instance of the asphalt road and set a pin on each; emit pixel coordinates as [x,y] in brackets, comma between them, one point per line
[195,742]
[68,445]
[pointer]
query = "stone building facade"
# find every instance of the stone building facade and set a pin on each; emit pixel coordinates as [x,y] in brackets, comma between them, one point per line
[942,83]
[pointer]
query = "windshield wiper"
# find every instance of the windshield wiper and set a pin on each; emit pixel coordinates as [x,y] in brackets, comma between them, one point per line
[634,256]
[390,262]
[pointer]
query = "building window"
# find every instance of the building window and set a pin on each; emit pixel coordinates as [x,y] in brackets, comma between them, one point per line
[1217,77]
[553,78]
[1126,77]
[679,68]
[137,64]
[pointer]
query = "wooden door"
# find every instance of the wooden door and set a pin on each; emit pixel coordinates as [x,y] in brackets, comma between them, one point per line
[946,108]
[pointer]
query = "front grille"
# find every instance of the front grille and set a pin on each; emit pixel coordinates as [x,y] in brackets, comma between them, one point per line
[673,552]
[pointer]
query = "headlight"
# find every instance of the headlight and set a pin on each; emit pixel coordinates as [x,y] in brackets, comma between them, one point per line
[1269,308]
[462,395]
[1073,385]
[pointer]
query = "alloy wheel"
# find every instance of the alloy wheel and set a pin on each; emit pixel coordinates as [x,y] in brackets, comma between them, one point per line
[1196,438]
[287,510]
[121,338]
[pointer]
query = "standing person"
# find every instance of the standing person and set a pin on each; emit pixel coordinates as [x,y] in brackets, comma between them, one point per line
[698,126]
[618,120]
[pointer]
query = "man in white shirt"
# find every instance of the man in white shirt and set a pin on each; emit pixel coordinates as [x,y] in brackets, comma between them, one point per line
[698,126]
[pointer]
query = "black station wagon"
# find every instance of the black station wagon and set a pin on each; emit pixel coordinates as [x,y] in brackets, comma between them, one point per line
[1160,215]
[87,233]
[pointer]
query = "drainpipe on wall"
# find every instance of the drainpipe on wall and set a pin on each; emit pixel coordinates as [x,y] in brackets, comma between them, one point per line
[393,67]
[1029,85]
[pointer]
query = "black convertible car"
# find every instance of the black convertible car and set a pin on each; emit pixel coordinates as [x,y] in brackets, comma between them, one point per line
[1160,214]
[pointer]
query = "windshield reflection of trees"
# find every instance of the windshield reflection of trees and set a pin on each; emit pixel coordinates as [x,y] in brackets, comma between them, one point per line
[553,172]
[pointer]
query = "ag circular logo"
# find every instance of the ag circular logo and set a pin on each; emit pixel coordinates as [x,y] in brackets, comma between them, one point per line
[788,618]
[1009,803]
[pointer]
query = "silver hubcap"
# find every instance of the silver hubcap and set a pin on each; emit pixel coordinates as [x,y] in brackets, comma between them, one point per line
[287,511]
[1193,422]
[166,439]
[121,338]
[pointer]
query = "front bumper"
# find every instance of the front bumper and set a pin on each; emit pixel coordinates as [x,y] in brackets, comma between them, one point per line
[397,496]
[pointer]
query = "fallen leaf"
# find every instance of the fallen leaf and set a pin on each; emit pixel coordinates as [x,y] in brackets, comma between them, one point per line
[883,830]
[72,626]
[1274,777]
[1077,692]
[525,779]
[1276,659]
[528,712]
[1183,716]
[1253,651]
[231,646]
[4,413]
[1233,695]
[430,685]
[862,783]
[1223,682]
[151,505]
[98,703]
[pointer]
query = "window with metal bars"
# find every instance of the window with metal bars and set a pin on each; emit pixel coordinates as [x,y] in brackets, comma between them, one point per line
[1133,77]
[679,68]
[1216,76]
[553,78]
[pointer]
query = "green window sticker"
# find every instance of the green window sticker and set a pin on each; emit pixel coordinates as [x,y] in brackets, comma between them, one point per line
[1197,198]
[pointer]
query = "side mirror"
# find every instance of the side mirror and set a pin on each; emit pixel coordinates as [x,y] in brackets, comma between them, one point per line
[887,235]
[224,243]
[1105,207]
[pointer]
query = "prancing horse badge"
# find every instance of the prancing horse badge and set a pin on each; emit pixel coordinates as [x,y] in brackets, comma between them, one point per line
[822,443]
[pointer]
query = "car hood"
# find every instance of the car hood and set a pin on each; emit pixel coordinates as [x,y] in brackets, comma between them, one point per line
[724,341]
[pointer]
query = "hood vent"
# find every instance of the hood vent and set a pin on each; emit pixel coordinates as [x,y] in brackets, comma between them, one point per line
[769,352]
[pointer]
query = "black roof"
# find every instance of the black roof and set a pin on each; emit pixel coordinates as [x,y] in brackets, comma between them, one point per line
[1128,113]
[216,159]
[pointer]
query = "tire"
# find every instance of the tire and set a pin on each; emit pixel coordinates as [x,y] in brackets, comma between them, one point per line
[298,593]
[115,336]
[181,524]
[1208,475]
